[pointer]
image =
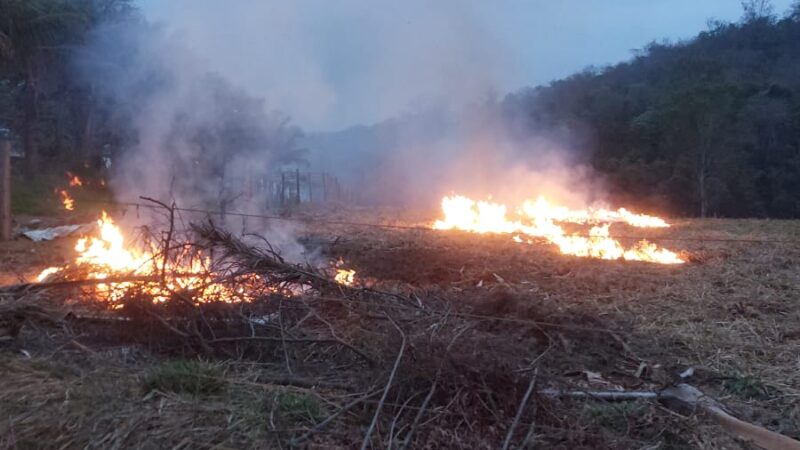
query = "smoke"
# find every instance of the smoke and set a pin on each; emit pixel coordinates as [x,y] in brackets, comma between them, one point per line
[207,95]
[334,64]
[478,150]
[426,70]
[191,137]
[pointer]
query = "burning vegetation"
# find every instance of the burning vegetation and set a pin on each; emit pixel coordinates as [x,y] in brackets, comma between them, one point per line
[541,219]
[67,200]
[162,270]
[438,340]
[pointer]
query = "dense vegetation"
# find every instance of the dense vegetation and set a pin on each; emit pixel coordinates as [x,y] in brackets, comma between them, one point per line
[85,82]
[708,127]
[45,108]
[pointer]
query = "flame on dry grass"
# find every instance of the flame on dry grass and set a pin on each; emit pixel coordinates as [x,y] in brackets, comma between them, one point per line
[66,200]
[540,219]
[345,277]
[74,180]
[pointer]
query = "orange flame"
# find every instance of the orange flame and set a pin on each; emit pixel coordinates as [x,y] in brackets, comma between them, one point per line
[107,256]
[67,201]
[345,277]
[539,219]
[74,180]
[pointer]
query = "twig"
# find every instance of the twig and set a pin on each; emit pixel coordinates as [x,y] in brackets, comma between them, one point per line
[612,396]
[520,410]
[530,435]
[23,287]
[419,415]
[313,312]
[371,428]
[283,338]
[168,237]
[329,419]
[294,341]
[397,417]
[166,324]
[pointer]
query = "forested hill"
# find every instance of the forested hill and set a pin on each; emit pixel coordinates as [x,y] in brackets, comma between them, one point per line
[706,127]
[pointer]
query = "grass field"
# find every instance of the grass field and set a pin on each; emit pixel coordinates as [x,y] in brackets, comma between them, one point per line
[732,314]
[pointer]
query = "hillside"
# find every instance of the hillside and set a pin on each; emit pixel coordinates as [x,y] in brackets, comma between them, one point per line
[707,127]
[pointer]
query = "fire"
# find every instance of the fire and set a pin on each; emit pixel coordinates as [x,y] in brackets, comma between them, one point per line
[107,255]
[74,180]
[345,277]
[540,219]
[46,273]
[66,200]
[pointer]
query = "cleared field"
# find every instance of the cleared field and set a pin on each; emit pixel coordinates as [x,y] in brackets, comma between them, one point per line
[506,313]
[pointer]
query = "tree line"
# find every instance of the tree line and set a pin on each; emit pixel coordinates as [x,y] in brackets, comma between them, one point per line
[705,127]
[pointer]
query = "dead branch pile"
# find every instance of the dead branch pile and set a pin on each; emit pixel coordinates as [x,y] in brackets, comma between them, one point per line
[17,310]
[406,371]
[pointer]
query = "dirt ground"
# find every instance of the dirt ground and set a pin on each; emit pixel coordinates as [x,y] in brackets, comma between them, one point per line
[731,314]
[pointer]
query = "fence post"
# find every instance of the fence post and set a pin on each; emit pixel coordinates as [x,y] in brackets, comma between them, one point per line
[283,187]
[325,187]
[5,189]
[297,185]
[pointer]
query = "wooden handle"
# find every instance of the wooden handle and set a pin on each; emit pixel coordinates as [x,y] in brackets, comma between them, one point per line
[756,435]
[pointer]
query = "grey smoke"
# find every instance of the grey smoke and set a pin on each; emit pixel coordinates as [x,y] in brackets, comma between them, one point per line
[195,138]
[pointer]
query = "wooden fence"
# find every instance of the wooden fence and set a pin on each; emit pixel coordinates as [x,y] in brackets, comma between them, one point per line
[290,187]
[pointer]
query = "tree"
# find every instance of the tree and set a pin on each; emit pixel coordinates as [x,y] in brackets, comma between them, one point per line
[33,35]
[757,9]
[709,126]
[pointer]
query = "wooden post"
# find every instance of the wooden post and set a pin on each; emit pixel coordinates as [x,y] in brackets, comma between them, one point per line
[283,187]
[310,188]
[325,187]
[5,190]
[297,185]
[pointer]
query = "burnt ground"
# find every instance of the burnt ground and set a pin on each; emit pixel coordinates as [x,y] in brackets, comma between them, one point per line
[732,314]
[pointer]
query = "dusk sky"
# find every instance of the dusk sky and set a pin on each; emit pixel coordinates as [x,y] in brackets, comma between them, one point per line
[332,64]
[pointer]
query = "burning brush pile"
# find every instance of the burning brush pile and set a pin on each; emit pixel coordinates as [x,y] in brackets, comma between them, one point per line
[202,265]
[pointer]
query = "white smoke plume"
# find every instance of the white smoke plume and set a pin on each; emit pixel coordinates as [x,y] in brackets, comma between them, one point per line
[191,88]
[194,139]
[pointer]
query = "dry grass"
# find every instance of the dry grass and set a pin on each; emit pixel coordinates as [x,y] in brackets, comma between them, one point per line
[495,309]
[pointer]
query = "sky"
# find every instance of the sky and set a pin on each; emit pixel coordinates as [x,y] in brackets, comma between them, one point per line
[331,64]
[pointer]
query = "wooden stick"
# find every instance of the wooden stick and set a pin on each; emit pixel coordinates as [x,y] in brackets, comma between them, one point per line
[294,341]
[13,288]
[610,396]
[685,396]
[420,413]
[365,443]
[5,190]
[688,399]
[342,410]
[520,410]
